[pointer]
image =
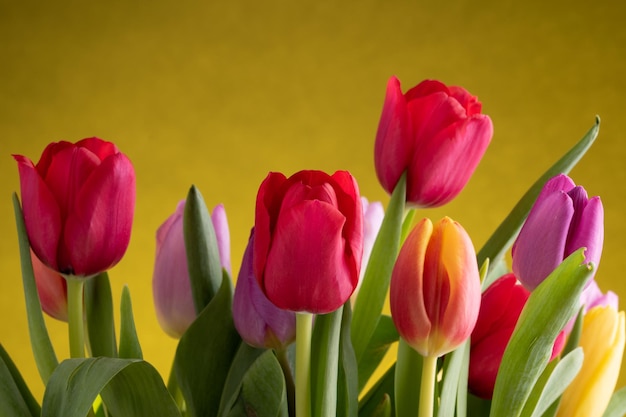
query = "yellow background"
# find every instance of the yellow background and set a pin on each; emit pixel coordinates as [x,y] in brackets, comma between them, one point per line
[219,93]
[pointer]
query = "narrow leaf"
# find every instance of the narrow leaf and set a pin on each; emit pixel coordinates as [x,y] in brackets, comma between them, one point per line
[99,311]
[43,351]
[370,404]
[244,358]
[454,363]
[407,380]
[16,399]
[203,258]
[129,342]
[383,337]
[617,405]
[348,387]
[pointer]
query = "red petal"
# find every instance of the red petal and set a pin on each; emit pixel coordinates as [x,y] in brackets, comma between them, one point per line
[99,147]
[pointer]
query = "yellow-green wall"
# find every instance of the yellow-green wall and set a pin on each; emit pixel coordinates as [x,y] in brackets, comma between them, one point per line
[218,93]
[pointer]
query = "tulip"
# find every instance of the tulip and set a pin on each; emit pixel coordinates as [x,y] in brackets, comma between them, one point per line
[500,308]
[435,287]
[434,133]
[78,204]
[562,220]
[602,340]
[171,287]
[51,288]
[259,322]
[308,243]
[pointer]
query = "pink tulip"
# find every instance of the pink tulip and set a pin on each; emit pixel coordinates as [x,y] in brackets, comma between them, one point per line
[171,287]
[435,287]
[434,133]
[259,322]
[562,220]
[78,204]
[52,289]
[308,241]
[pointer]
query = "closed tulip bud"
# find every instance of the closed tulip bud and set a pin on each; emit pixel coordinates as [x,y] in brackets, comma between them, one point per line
[435,287]
[434,133]
[373,214]
[171,287]
[52,289]
[562,220]
[602,340]
[78,204]
[259,322]
[308,242]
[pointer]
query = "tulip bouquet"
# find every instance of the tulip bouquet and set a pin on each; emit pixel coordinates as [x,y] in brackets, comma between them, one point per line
[303,331]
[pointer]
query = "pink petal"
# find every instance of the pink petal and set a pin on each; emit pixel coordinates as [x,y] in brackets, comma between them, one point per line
[222,233]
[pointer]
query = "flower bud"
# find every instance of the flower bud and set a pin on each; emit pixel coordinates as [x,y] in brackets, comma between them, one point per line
[435,287]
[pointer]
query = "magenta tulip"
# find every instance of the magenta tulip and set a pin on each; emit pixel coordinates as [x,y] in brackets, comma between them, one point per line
[308,243]
[434,133]
[51,288]
[259,322]
[562,220]
[78,204]
[171,287]
[435,287]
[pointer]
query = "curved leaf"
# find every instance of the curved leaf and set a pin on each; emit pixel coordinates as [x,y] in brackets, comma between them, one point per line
[16,399]
[129,342]
[383,337]
[325,363]
[243,360]
[99,312]
[617,405]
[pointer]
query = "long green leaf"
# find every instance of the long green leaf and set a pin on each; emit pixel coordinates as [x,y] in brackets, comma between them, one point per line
[453,368]
[617,405]
[99,312]
[348,386]
[16,399]
[383,337]
[382,391]
[201,375]
[407,380]
[504,235]
[371,297]
[129,342]
[244,358]
[203,258]
[546,312]
[40,343]
[129,387]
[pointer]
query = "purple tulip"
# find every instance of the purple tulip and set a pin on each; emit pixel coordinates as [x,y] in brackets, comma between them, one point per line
[562,220]
[259,322]
[171,287]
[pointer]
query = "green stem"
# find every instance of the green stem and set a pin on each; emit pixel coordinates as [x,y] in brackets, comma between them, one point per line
[75,316]
[281,355]
[427,388]
[304,326]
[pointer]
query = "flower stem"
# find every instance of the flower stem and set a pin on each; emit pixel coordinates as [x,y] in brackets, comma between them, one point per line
[304,329]
[427,387]
[75,316]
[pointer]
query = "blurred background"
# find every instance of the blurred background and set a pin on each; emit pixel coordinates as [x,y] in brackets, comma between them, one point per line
[217,94]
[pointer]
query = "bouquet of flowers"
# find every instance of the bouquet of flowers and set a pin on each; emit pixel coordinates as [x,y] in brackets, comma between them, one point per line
[303,331]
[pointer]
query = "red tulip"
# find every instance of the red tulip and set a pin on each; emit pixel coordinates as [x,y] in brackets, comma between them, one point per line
[78,204]
[434,133]
[52,289]
[435,287]
[308,240]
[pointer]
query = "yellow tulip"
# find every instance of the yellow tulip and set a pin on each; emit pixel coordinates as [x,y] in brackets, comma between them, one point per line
[602,340]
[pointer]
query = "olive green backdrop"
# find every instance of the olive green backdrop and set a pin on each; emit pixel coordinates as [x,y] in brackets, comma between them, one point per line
[219,93]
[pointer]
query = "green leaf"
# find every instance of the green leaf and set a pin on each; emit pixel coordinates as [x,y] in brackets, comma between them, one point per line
[129,342]
[407,380]
[263,391]
[371,298]
[546,312]
[504,235]
[382,339]
[454,364]
[129,387]
[201,375]
[203,258]
[381,392]
[43,351]
[617,405]
[244,358]
[16,399]
[99,312]
[384,408]
[325,363]
[348,387]
[574,336]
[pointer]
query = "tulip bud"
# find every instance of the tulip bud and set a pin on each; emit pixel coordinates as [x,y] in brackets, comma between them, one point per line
[52,289]
[171,287]
[78,204]
[602,340]
[308,243]
[561,221]
[373,214]
[435,287]
[259,322]
[434,133]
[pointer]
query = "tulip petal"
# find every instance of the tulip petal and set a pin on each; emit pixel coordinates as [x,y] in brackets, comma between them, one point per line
[101,148]
[97,231]
[222,234]
[51,288]
[431,114]
[587,230]
[305,269]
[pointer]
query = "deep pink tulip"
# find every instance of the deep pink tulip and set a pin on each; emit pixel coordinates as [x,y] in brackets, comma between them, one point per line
[259,322]
[436,134]
[308,241]
[171,287]
[562,220]
[78,204]
[52,289]
[435,287]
